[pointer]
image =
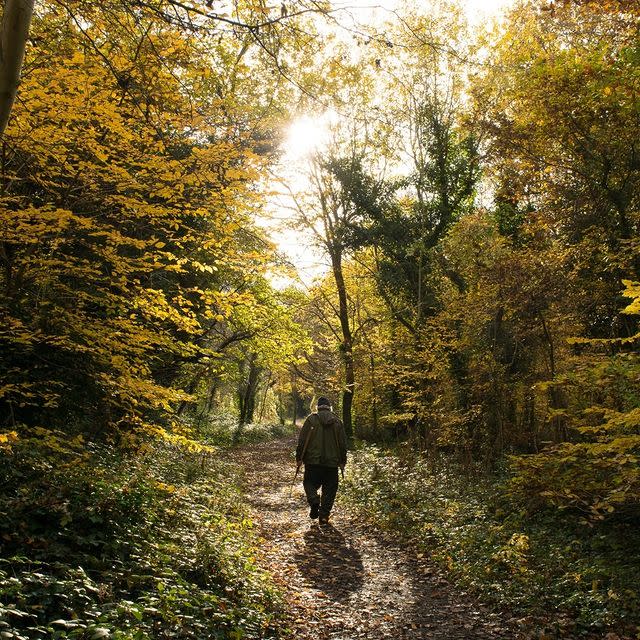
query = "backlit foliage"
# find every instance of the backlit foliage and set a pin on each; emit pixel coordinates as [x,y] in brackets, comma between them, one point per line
[128,177]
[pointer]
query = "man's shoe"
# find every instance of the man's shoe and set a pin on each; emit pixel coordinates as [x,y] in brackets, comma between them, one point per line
[324,519]
[314,511]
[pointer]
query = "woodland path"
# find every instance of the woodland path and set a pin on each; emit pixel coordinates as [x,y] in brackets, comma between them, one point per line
[345,581]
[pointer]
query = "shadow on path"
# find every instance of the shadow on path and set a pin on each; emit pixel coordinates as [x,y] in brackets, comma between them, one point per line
[329,563]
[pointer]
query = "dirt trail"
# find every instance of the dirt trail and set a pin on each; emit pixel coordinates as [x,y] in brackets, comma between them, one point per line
[343,581]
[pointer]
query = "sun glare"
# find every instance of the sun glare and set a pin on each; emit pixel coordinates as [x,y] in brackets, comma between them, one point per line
[305,136]
[309,134]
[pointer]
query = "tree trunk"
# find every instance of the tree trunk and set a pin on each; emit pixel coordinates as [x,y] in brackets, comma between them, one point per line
[556,400]
[267,386]
[347,344]
[247,395]
[294,397]
[211,397]
[374,394]
[16,19]
[250,397]
[191,388]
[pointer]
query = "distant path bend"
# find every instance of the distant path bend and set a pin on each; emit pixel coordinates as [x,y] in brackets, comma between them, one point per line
[344,582]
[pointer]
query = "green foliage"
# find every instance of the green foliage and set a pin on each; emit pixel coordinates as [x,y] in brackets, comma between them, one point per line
[561,111]
[101,544]
[127,240]
[222,430]
[542,565]
[598,473]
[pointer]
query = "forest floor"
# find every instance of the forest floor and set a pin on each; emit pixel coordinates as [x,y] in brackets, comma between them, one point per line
[347,581]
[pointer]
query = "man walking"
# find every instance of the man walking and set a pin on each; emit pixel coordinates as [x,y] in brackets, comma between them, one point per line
[322,447]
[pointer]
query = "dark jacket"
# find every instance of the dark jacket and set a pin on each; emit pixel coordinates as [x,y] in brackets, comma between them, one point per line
[327,444]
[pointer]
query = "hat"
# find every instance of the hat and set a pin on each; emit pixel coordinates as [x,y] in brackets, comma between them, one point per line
[324,403]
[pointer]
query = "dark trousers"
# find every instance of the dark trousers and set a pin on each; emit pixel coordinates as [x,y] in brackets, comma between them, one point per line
[315,477]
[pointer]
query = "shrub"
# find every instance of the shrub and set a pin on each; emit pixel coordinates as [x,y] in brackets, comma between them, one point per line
[470,524]
[99,543]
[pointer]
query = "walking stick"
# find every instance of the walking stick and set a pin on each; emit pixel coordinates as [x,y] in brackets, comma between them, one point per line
[293,484]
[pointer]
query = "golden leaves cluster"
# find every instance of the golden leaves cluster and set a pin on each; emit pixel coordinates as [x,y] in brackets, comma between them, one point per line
[126,185]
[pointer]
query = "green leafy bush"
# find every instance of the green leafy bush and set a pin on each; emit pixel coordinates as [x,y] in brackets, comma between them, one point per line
[597,473]
[223,430]
[102,544]
[468,523]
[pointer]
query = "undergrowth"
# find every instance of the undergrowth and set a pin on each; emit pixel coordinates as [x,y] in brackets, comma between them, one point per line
[95,543]
[222,430]
[535,563]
